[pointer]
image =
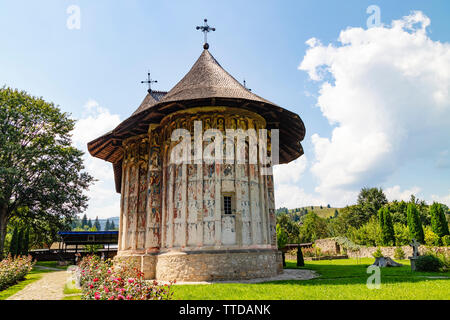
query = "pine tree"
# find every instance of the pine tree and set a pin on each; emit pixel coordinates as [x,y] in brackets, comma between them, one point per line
[26,242]
[89,223]
[112,225]
[13,246]
[97,224]
[414,223]
[439,223]
[107,226]
[387,228]
[20,242]
[84,221]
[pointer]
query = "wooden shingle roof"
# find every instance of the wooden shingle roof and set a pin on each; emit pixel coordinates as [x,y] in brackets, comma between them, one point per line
[206,84]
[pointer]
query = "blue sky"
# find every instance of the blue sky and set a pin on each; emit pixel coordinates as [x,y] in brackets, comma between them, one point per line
[98,69]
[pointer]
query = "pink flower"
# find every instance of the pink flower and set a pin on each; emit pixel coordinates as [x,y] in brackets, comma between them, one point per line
[129,297]
[111,298]
[120,297]
[131,280]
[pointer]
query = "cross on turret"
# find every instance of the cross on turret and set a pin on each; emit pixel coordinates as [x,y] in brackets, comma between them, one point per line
[149,81]
[245,86]
[205,29]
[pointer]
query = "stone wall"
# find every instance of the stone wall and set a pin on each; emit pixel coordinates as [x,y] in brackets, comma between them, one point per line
[366,252]
[328,245]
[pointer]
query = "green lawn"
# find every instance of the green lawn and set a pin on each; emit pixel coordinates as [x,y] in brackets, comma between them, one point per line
[339,279]
[32,276]
[51,264]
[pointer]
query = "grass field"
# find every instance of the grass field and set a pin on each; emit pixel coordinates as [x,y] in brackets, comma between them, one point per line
[339,279]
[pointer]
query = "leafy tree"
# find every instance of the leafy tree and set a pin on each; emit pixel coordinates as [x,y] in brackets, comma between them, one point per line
[414,223]
[313,228]
[282,240]
[40,171]
[438,221]
[398,211]
[353,216]
[370,200]
[387,229]
[97,224]
[290,228]
[369,234]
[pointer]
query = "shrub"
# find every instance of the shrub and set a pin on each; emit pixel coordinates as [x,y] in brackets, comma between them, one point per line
[399,253]
[431,238]
[446,240]
[14,269]
[101,280]
[428,263]
[377,253]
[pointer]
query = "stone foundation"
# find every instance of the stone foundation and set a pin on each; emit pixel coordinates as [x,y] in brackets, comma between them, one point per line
[209,265]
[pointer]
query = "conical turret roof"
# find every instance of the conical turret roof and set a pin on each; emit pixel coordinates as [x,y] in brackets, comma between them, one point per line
[206,84]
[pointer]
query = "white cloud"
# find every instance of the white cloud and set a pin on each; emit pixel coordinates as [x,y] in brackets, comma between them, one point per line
[395,193]
[95,121]
[442,199]
[290,173]
[387,91]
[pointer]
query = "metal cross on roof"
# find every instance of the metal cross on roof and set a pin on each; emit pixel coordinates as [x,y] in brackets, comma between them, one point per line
[205,29]
[245,86]
[149,81]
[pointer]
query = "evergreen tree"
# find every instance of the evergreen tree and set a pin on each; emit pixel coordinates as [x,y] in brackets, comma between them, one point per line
[26,242]
[414,223]
[439,223]
[107,226]
[84,221]
[97,224]
[387,228]
[14,245]
[112,225]
[20,242]
[300,260]
[89,223]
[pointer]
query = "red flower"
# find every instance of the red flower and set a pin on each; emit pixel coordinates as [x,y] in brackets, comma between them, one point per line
[95,279]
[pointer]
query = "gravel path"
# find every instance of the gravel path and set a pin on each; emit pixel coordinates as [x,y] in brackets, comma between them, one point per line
[49,287]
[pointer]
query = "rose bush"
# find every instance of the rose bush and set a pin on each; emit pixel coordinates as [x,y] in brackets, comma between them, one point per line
[103,280]
[14,269]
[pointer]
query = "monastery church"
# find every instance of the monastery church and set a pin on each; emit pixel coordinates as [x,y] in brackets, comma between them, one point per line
[198,221]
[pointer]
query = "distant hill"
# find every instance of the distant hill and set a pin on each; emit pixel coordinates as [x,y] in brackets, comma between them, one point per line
[323,212]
